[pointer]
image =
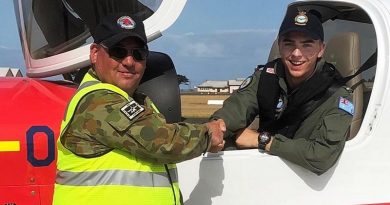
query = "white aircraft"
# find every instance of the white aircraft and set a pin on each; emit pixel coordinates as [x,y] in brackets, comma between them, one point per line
[56,44]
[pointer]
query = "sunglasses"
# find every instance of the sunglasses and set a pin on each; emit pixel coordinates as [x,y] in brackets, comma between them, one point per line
[118,52]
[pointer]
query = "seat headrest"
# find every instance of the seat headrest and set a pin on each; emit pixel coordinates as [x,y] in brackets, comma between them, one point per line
[343,51]
[274,53]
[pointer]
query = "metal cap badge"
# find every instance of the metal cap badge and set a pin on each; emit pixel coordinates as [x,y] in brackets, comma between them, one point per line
[301,19]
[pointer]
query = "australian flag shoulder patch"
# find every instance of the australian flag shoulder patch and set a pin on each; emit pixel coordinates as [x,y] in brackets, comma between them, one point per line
[346,105]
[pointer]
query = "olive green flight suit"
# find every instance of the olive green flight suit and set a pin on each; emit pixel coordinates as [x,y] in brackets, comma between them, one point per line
[317,143]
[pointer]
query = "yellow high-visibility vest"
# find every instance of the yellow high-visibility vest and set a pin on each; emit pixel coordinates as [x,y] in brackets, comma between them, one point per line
[113,178]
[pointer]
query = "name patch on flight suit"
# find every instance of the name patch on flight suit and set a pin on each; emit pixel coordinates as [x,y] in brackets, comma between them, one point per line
[132,109]
[346,105]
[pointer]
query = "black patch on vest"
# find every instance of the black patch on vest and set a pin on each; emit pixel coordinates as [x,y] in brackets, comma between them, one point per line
[132,109]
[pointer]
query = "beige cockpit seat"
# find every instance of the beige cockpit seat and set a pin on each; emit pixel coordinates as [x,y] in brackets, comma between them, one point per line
[343,51]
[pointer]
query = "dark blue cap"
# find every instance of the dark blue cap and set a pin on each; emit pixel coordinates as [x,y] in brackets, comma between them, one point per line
[302,21]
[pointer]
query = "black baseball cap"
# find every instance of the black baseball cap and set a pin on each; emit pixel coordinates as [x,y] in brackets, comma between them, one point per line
[302,21]
[115,27]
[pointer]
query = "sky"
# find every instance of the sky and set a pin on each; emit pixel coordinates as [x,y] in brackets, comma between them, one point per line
[10,49]
[211,40]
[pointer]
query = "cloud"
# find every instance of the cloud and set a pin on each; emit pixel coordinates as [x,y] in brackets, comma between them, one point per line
[3,47]
[217,44]
[189,34]
[217,55]
[202,50]
[241,31]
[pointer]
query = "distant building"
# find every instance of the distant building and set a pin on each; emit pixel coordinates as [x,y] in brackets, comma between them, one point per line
[235,84]
[6,72]
[219,86]
[213,86]
[10,72]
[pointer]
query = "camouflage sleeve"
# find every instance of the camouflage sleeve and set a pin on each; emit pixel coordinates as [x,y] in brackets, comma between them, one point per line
[115,122]
[240,109]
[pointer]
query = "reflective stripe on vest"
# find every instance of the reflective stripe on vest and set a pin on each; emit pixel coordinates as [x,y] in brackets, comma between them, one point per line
[118,177]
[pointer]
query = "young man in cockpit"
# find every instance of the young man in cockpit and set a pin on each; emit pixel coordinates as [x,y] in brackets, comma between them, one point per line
[303,108]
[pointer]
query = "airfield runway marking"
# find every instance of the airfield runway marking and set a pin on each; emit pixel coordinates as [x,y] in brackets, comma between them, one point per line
[9,146]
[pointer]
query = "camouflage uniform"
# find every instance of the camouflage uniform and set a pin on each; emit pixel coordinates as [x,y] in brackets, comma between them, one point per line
[99,126]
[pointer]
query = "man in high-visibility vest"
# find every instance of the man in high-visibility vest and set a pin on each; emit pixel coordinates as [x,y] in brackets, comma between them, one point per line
[115,147]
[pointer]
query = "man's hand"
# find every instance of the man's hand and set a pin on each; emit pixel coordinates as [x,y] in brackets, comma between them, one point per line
[216,130]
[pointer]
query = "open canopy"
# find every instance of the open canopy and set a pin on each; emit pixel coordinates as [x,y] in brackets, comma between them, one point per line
[55,34]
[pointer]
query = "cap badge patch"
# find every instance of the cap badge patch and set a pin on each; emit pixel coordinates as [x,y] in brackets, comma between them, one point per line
[301,19]
[126,22]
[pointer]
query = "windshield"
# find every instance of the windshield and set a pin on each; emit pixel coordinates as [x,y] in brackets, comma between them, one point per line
[57,26]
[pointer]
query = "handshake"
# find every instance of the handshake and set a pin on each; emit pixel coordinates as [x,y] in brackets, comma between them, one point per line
[216,130]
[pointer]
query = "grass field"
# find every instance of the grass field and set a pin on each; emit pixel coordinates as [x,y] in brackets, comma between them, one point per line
[195,106]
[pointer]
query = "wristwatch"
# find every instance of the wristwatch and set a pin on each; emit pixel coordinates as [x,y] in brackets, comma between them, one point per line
[263,139]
